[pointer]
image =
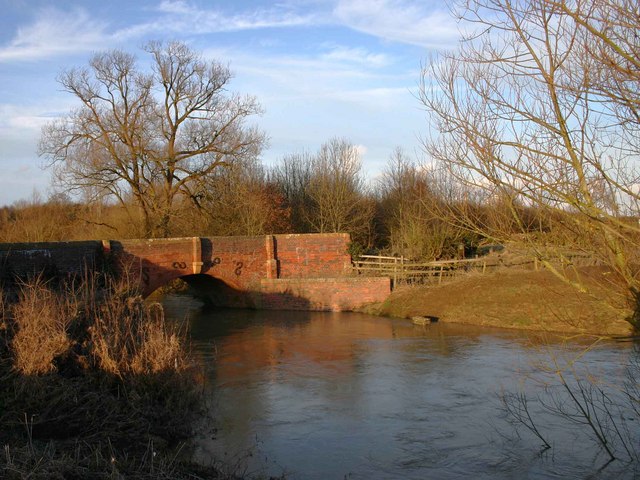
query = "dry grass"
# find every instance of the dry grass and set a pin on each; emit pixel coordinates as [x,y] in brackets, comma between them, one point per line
[41,319]
[89,462]
[3,324]
[93,365]
[113,331]
[129,337]
[516,299]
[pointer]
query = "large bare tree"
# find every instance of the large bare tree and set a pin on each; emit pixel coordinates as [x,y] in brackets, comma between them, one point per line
[541,104]
[150,137]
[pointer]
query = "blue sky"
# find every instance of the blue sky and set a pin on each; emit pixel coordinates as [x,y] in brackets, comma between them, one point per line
[319,68]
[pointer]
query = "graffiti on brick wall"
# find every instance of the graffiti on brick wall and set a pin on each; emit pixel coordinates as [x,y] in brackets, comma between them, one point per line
[212,263]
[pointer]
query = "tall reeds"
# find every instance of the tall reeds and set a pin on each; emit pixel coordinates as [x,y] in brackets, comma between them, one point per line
[130,337]
[40,320]
[91,362]
[104,328]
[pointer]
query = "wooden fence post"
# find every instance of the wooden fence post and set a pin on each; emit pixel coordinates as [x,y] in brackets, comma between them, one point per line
[395,272]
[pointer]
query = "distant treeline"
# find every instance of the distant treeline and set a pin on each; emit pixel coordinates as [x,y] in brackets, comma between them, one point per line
[411,210]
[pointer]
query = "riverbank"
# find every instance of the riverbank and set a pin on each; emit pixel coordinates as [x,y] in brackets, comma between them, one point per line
[95,384]
[519,299]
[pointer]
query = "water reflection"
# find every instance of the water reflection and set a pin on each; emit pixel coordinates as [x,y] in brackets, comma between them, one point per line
[326,395]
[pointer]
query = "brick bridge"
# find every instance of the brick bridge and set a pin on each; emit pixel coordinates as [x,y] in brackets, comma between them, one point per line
[289,272]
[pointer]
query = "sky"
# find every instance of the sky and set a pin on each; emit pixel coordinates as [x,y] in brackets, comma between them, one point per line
[319,68]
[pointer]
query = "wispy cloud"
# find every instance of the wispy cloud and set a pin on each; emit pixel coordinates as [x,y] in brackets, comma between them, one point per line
[55,32]
[182,16]
[358,56]
[20,118]
[298,76]
[383,98]
[59,32]
[399,20]
[354,78]
[62,32]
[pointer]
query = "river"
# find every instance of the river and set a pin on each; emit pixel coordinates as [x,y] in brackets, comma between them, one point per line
[318,395]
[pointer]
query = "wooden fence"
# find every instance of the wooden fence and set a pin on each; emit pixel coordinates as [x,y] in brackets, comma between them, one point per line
[403,271]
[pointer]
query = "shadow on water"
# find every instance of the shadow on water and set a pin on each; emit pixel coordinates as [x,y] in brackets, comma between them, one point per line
[345,395]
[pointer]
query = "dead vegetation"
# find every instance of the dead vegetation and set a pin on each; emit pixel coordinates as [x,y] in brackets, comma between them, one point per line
[95,385]
[41,320]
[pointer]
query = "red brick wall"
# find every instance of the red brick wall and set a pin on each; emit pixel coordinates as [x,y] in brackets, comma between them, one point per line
[154,262]
[335,294]
[20,261]
[310,256]
[239,261]
[303,272]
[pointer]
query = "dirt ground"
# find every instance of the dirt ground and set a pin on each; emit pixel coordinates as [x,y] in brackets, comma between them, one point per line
[517,299]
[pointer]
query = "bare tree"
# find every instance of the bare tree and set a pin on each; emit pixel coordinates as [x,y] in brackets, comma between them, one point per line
[412,209]
[337,191]
[150,137]
[540,104]
[292,176]
[241,200]
[326,191]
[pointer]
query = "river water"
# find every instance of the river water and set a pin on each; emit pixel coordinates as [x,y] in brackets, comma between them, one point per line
[334,396]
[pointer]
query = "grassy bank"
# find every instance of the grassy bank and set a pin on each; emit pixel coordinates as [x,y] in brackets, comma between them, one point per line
[95,384]
[517,299]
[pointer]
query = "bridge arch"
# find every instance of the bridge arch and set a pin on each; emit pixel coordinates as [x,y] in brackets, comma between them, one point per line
[219,292]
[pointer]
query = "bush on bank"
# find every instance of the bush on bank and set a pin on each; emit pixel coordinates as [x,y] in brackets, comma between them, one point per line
[95,384]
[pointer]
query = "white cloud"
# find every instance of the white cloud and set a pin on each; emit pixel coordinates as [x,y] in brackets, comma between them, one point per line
[175,7]
[400,21]
[21,119]
[345,74]
[361,150]
[12,117]
[181,16]
[55,32]
[357,55]
[383,97]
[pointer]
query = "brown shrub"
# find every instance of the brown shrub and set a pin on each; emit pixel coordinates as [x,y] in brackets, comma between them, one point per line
[161,347]
[126,386]
[3,312]
[111,327]
[129,337]
[40,320]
